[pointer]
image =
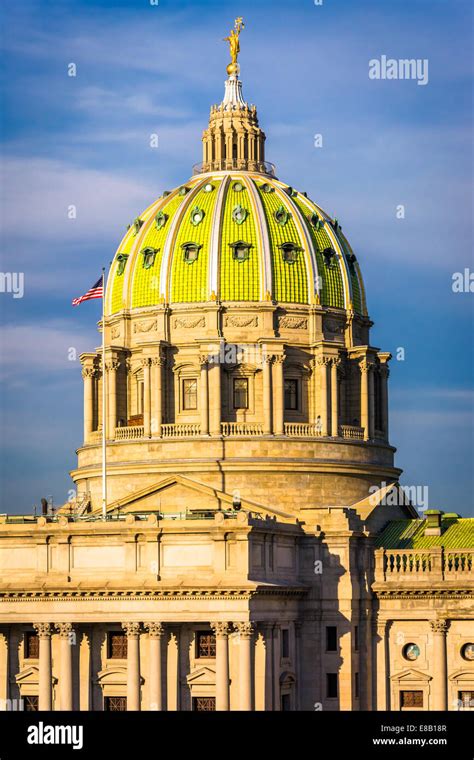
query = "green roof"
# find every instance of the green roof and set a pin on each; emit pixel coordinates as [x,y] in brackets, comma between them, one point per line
[456,533]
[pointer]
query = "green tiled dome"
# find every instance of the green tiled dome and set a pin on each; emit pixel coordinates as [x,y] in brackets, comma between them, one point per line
[234,237]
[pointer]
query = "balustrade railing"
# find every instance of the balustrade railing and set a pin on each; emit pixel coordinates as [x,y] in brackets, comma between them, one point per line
[351,431]
[432,564]
[302,429]
[129,433]
[180,430]
[241,428]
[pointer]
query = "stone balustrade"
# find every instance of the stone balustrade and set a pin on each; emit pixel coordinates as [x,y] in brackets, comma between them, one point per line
[181,430]
[435,564]
[351,431]
[241,428]
[131,433]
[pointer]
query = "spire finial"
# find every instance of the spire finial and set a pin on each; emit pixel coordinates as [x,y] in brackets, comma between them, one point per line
[234,45]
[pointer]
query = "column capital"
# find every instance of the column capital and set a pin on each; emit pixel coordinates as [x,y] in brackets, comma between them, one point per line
[279,358]
[323,361]
[131,629]
[245,630]
[43,630]
[112,365]
[336,361]
[158,361]
[439,626]
[203,360]
[89,372]
[155,630]
[365,365]
[64,629]
[220,629]
[146,361]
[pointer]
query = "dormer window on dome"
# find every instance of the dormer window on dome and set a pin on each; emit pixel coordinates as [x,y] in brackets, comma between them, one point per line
[121,261]
[316,221]
[149,255]
[240,250]
[266,188]
[290,252]
[160,220]
[191,251]
[237,187]
[282,215]
[183,190]
[328,254]
[137,223]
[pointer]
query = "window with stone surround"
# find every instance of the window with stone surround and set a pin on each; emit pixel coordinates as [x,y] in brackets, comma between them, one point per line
[31,702]
[291,394]
[205,645]
[240,393]
[331,638]
[190,394]
[116,645]
[115,704]
[331,686]
[31,644]
[204,704]
[411,699]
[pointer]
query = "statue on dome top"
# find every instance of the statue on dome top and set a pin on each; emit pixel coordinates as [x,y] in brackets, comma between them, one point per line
[234,45]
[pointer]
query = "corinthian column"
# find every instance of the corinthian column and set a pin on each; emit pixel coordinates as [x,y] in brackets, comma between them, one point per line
[245,631]
[335,364]
[221,631]
[155,636]
[323,362]
[215,398]
[439,629]
[146,363]
[267,394]
[45,675]
[133,665]
[111,368]
[278,398]
[364,397]
[88,375]
[156,395]
[381,669]
[66,636]
[384,373]
[204,392]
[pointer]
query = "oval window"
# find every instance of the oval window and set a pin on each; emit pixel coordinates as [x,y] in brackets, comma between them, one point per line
[411,652]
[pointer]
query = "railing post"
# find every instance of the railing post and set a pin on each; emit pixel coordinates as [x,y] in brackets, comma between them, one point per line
[437,563]
[380,565]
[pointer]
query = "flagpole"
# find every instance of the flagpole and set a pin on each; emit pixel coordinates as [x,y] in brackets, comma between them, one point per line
[104,408]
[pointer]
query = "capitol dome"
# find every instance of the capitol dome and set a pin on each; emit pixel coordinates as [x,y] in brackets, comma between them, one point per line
[236,347]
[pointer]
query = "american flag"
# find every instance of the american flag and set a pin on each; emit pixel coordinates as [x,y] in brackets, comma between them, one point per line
[97,291]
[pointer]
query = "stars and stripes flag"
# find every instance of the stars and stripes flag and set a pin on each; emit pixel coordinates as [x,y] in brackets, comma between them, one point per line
[97,291]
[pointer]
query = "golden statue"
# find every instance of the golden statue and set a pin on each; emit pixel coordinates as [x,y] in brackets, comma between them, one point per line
[233,40]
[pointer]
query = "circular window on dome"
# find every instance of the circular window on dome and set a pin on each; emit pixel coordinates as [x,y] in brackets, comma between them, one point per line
[239,214]
[240,250]
[183,190]
[282,216]
[411,651]
[238,187]
[197,215]
[160,220]
[208,188]
[266,188]
[467,652]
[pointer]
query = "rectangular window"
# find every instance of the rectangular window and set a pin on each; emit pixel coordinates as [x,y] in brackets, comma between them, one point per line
[190,394]
[31,703]
[115,704]
[356,685]
[331,685]
[356,638]
[331,638]
[285,643]
[31,642]
[411,699]
[466,699]
[241,393]
[291,395]
[116,646]
[285,703]
[204,704]
[205,644]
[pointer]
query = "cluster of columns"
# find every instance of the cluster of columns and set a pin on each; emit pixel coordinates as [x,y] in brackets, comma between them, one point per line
[233,139]
[152,395]
[67,638]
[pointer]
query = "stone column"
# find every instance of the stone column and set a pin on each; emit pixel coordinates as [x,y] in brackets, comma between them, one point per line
[279,395]
[67,639]
[204,394]
[372,401]
[323,362]
[45,675]
[146,362]
[111,368]
[384,373]
[245,631]
[439,629]
[335,363]
[88,374]
[156,395]
[267,394]
[221,631]
[133,665]
[268,634]
[4,669]
[215,398]
[364,397]
[381,668]
[155,686]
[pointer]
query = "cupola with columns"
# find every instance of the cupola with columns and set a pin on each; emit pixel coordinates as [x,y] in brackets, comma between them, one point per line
[236,343]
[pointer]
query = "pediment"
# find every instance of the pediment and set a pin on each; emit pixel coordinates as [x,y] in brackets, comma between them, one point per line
[204,676]
[462,675]
[411,675]
[113,676]
[29,674]
[176,494]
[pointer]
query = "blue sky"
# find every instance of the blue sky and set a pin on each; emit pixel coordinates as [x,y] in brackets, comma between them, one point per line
[143,69]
